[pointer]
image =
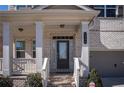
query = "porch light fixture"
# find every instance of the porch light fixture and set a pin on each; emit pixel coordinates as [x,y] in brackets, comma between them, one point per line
[62,25]
[20,29]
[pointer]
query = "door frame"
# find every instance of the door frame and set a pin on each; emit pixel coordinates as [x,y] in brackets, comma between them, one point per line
[59,41]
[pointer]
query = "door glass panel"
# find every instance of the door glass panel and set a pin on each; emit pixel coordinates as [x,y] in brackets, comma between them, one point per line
[62,50]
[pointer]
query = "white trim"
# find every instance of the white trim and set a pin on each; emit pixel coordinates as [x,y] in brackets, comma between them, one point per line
[80,6]
[105,11]
[117,12]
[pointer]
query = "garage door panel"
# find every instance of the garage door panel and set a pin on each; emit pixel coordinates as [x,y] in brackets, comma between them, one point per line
[108,63]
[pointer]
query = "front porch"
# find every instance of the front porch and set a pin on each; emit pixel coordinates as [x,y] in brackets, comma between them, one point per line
[23,56]
[46,43]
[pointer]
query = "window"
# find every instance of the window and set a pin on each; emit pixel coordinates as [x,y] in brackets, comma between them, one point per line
[110,11]
[19,7]
[106,10]
[20,49]
[63,37]
[34,49]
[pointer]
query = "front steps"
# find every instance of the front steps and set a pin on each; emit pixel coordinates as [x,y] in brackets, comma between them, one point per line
[18,81]
[61,80]
[55,80]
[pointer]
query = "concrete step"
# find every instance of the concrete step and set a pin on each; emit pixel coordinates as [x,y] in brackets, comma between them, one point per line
[18,81]
[61,80]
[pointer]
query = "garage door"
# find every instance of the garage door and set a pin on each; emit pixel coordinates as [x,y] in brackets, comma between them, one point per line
[108,63]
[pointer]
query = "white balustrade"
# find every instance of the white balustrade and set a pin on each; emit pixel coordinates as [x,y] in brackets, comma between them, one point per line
[45,71]
[76,71]
[23,66]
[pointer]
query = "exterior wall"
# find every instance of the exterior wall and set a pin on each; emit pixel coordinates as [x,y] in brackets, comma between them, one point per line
[107,34]
[78,44]
[107,24]
[106,40]
[112,24]
[104,62]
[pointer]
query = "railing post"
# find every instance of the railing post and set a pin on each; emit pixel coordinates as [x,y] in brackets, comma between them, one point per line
[76,71]
[45,71]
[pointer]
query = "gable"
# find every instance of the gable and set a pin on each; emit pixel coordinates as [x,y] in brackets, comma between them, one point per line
[63,7]
[68,7]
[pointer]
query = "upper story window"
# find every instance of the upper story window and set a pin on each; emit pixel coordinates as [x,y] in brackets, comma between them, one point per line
[20,49]
[21,7]
[106,10]
[110,11]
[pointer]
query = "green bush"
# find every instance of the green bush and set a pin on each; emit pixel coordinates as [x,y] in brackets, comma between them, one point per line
[5,82]
[34,80]
[94,77]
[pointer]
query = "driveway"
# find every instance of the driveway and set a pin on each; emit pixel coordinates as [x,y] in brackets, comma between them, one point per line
[113,82]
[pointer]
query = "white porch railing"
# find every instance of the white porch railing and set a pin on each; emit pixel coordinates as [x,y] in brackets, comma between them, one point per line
[45,71]
[1,65]
[76,71]
[23,66]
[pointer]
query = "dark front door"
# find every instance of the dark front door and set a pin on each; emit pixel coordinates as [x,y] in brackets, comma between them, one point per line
[62,54]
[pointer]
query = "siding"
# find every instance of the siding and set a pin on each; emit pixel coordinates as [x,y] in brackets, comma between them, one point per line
[112,24]
[106,40]
[107,24]
[107,34]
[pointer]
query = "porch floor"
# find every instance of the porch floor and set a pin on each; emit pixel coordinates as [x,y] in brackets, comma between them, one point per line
[61,80]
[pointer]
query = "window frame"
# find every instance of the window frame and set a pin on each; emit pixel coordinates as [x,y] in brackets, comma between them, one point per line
[21,49]
[111,8]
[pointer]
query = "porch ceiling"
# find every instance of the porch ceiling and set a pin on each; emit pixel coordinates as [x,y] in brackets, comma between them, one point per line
[51,17]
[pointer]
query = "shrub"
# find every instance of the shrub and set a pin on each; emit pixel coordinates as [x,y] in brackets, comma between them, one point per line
[5,82]
[94,77]
[34,80]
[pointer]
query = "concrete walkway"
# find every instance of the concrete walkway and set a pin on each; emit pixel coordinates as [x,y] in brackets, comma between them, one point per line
[113,82]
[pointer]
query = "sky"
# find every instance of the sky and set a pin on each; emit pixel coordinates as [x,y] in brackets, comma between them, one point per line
[3,7]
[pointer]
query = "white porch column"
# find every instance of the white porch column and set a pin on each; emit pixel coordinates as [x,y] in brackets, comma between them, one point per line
[123,10]
[6,49]
[39,46]
[85,49]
